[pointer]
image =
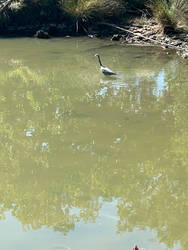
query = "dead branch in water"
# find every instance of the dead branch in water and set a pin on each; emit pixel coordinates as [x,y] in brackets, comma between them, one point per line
[5,4]
[146,38]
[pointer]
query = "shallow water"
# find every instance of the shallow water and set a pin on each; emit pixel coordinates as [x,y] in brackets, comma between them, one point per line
[88,161]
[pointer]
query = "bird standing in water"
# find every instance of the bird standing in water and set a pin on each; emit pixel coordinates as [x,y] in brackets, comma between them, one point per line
[105,70]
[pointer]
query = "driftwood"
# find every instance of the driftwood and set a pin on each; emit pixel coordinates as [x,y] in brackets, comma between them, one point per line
[146,38]
[5,4]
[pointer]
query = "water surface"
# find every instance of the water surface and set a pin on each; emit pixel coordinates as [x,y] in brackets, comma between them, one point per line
[88,161]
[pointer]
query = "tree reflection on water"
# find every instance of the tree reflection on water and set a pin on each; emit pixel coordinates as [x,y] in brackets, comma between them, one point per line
[65,145]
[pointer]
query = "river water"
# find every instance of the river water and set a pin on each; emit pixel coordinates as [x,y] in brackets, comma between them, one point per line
[89,161]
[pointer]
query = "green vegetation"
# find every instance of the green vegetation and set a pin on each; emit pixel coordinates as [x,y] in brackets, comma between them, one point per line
[170,13]
[96,10]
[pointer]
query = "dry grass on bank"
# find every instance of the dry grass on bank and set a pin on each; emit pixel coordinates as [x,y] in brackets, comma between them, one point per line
[95,10]
[170,13]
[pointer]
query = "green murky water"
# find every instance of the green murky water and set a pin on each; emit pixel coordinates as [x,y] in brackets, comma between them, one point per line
[88,161]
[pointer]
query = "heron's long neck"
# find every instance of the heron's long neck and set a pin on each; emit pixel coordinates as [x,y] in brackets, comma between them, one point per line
[100,61]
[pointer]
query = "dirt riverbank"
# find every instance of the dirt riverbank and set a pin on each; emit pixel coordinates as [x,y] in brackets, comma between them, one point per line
[149,32]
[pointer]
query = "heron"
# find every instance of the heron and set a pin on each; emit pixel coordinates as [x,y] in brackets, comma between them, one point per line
[105,70]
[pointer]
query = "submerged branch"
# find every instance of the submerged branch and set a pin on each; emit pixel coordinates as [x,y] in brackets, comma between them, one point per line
[5,4]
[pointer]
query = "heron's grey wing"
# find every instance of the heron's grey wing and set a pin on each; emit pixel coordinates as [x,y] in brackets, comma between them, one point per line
[107,71]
